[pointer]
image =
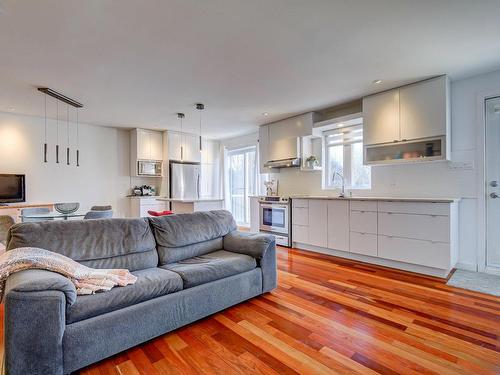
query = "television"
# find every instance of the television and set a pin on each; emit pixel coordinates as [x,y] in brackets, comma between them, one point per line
[12,188]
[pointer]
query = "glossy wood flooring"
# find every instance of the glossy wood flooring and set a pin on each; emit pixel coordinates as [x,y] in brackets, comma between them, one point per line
[330,316]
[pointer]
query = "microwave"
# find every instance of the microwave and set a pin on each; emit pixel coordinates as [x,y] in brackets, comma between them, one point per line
[149,168]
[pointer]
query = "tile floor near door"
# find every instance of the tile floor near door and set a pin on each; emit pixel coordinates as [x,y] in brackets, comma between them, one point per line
[328,316]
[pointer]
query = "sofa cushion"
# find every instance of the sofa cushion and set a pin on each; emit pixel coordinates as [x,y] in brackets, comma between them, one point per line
[106,243]
[151,283]
[184,236]
[210,267]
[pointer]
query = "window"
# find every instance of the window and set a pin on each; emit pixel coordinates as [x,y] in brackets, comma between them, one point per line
[242,182]
[344,156]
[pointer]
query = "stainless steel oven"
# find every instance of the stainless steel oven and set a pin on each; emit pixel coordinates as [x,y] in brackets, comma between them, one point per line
[274,218]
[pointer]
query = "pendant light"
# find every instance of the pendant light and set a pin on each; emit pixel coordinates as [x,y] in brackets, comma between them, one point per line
[200,107]
[70,102]
[45,131]
[67,134]
[180,116]
[77,141]
[57,132]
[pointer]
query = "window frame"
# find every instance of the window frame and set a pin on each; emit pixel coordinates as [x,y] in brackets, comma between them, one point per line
[347,158]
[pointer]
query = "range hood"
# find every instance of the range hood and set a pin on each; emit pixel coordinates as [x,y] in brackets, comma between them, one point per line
[284,153]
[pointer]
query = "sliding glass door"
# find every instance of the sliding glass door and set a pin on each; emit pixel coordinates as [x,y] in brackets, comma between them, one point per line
[242,174]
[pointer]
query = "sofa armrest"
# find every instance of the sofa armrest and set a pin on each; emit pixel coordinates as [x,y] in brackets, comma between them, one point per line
[34,280]
[254,244]
[259,246]
[35,321]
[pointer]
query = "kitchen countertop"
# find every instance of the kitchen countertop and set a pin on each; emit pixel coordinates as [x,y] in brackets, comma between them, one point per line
[164,199]
[394,199]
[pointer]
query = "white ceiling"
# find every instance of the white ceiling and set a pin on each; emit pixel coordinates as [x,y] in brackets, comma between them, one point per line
[136,63]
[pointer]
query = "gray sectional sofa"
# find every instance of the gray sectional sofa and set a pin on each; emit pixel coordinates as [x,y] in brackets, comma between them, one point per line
[188,266]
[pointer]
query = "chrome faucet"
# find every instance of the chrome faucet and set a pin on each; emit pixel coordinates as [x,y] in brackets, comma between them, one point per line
[342,192]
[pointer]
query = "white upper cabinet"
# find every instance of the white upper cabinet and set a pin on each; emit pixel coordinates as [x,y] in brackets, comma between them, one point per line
[263,148]
[381,118]
[146,145]
[184,147]
[156,145]
[424,109]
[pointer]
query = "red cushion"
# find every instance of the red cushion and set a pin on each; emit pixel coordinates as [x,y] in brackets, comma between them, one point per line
[160,213]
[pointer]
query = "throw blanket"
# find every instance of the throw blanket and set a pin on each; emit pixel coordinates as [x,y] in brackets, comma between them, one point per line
[87,280]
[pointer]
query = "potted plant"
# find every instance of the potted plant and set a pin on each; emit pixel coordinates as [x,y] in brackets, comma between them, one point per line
[312,161]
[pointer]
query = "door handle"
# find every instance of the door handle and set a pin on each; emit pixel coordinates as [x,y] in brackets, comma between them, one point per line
[494,195]
[494,183]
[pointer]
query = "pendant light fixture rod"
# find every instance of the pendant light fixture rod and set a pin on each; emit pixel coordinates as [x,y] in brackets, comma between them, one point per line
[200,107]
[45,131]
[57,132]
[67,135]
[61,97]
[77,140]
[180,116]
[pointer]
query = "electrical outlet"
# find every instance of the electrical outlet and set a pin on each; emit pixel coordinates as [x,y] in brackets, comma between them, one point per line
[461,165]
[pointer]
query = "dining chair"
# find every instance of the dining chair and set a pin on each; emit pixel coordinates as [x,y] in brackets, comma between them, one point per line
[92,214]
[6,222]
[34,211]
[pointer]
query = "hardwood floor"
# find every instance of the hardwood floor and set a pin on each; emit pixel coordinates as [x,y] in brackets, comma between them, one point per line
[329,316]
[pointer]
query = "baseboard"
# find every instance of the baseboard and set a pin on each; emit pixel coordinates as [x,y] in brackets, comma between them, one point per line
[436,272]
[466,266]
[493,270]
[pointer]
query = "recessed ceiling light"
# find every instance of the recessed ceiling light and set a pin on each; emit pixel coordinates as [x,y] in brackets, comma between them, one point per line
[265,114]
[340,125]
[377,81]
[11,109]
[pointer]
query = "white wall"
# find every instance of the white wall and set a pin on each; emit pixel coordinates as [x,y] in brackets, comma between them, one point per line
[436,179]
[102,178]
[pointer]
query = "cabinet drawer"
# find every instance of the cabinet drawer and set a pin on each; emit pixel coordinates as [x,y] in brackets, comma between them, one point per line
[300,215]
[421,227]
[300,233]
[303,203]
[363,222]
[425,208]
[364,205]
[425,253]
[363,243]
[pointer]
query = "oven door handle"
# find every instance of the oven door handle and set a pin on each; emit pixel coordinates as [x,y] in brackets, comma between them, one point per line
[281,206]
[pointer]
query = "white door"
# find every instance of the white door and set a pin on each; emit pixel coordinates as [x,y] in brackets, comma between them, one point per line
[381,118]
[242,182]
[338,225]
[493,182]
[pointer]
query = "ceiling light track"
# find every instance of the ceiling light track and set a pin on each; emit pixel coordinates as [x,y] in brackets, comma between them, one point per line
[61,97]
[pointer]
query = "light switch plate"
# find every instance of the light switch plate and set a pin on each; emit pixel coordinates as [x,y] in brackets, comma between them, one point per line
[467,165]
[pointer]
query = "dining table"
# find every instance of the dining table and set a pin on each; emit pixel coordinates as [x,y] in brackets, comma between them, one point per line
[53,216]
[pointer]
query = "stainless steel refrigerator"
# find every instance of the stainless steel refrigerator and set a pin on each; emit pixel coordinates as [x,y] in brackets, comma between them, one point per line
[185,180]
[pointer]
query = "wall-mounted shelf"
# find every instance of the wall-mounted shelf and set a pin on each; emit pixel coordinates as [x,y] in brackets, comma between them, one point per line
[430,149]
[311,146]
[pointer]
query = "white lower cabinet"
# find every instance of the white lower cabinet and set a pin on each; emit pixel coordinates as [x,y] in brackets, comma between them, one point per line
[420,227]
[363,243]
[139,207]
[318,223]
[422,233]
[300,233]
[420,252]
[338,225]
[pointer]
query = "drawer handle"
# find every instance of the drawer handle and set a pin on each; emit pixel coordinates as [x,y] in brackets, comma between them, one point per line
[389,213]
